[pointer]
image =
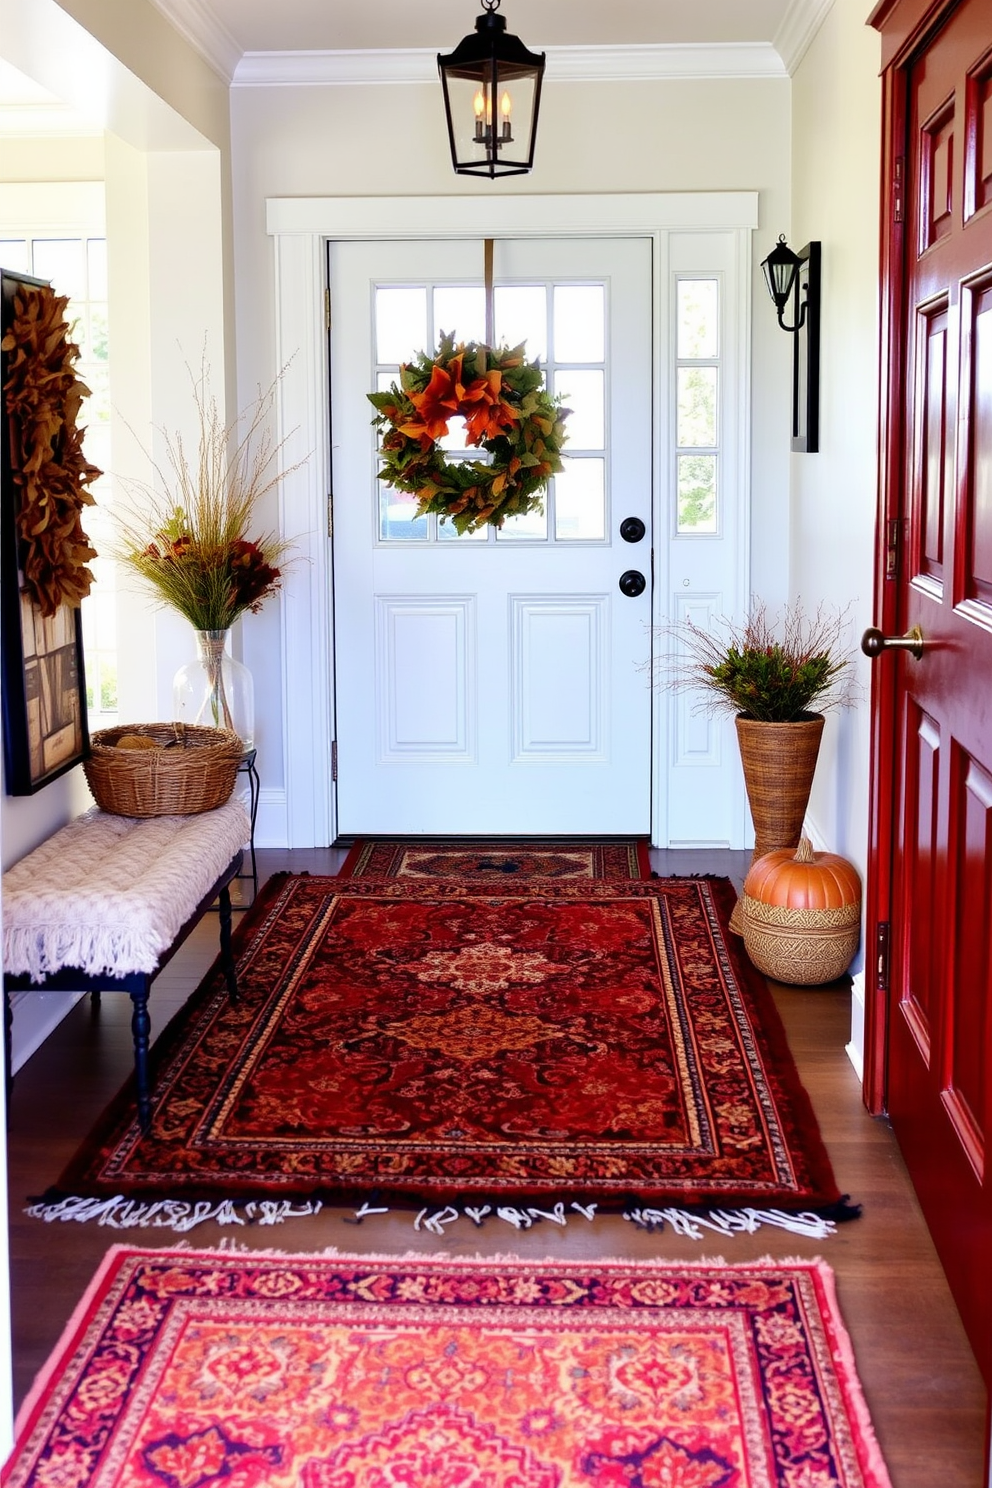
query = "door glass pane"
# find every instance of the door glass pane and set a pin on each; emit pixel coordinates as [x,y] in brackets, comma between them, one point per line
[400,323]
[696,412]
[455,437]
[459,309]
[14,255]
[396,508]
[580,501]
[698,318]
[532,526]
[61,260]
[521,314]
[448,532]
[580,322]
[584,394]
[696,493]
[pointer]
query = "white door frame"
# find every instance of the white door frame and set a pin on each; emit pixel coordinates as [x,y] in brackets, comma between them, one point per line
[301,227]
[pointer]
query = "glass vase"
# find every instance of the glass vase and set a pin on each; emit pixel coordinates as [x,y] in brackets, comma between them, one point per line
[215,691]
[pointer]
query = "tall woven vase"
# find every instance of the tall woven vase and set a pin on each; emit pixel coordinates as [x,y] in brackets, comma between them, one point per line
[779,760]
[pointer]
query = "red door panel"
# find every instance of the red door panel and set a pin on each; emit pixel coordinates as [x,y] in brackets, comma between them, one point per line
[939,763]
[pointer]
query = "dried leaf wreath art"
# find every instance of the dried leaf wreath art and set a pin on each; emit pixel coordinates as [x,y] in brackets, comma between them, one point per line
[43,397]
[507,412]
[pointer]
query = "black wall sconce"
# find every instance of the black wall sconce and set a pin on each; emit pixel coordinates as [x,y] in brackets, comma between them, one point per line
[492,93]
[793,281]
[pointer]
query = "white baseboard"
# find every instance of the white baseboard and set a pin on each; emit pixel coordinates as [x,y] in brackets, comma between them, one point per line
[856,1048]
[272,822]
[36,1015]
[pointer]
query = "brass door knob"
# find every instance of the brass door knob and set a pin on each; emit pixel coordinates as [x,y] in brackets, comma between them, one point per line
[873,642]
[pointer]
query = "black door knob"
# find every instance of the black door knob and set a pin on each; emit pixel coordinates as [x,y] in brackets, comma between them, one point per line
[632,583]
[632,529]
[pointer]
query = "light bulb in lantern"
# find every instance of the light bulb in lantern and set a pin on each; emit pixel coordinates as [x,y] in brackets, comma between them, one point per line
[479,106]
[506,108]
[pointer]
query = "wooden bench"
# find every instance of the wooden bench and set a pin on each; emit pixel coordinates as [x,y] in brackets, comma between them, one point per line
[105,903]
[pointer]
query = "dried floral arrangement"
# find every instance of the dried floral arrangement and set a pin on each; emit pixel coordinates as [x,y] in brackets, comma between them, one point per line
[188,538]
[42,399]
[507,412]
[775,670]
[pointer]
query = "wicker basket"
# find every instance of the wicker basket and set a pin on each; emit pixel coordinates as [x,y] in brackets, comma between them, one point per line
[801,947]
[195,772]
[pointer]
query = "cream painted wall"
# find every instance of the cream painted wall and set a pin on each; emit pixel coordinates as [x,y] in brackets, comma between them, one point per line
[835,192]
[604,137]
[55,159]
[140,37]
[57,204]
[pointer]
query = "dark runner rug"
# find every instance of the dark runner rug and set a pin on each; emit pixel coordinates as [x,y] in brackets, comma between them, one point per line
[616,861]
[452,1043]
[191,1368]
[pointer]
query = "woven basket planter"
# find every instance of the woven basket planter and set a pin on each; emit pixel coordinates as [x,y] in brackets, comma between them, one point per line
[779,760]
[193,772]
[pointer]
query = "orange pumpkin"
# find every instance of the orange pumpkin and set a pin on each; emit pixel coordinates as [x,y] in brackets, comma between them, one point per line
[801,915]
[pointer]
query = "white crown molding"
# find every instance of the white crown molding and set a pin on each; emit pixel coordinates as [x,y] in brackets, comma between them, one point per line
[619,64]
[565,64]
[799,25]
[196,23]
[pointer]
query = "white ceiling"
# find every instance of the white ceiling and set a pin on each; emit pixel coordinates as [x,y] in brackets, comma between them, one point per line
[226,30]
[332,25]
[305,41]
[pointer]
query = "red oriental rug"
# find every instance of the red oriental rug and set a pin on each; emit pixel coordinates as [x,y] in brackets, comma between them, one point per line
[450,1043]
[187,1368]
[496,860]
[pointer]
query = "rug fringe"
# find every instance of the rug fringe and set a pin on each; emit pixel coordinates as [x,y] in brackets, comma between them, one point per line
[178,1215]
[181,1216]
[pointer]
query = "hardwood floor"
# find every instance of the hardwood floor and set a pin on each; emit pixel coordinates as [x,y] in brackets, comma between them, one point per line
[923,1388]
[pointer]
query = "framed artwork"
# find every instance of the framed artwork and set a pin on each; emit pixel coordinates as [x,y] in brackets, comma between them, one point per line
[806,354]
[41,657]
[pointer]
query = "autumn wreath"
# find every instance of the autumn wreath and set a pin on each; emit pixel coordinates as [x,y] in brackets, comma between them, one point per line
[43,397]
[507,412]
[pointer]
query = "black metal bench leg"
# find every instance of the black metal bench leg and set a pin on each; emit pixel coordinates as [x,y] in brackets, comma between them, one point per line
[8,1049]
[226,953]
[141,1025]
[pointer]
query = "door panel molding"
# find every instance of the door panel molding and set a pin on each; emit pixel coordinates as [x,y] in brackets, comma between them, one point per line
[555,638]
[426,686]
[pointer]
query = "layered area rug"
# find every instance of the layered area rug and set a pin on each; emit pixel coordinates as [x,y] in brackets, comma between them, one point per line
[187,1368]
[449,1043]
[610,861]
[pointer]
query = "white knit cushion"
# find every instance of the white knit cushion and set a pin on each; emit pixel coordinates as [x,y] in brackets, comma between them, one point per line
[109,894]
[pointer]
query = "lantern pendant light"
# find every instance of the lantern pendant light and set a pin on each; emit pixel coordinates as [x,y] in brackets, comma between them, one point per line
[492,92]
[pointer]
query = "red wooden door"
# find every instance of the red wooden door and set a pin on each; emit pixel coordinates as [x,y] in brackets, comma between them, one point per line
[933,734]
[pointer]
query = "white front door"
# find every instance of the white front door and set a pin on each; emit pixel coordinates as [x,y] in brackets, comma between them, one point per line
[495,683]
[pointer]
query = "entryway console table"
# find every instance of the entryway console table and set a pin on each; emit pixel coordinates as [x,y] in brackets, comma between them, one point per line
[105,903]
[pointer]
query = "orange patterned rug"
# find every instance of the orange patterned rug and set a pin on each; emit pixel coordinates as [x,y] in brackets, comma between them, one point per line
[183,1369]
[497,860]
[448,1042]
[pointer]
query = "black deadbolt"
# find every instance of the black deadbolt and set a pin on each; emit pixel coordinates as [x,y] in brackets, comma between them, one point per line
[632,529]
[632,583]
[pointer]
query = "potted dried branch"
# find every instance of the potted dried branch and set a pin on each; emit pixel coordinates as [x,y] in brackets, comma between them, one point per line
[777,677]
[188,541]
